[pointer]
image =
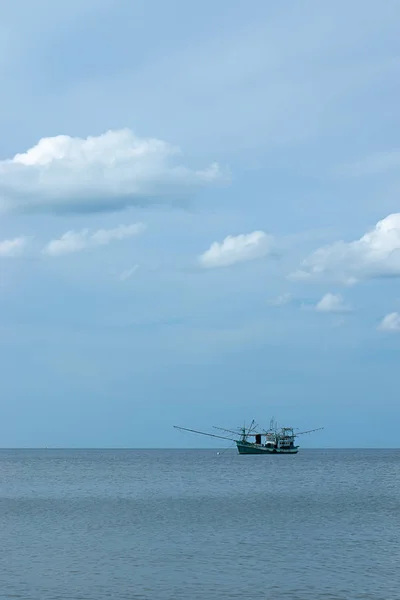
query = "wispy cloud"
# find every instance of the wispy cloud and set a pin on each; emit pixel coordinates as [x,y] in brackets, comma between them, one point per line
[108,172]
[13,247]
[235,249]
[282,300]
[76,241]
[127,274]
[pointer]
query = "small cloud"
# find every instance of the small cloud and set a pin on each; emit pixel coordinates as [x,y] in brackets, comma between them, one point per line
[13,247]
[375,254]
[390,323]
[112,171]
[235,249]
[332,303]
[282,300]
[127,274]
[76,241]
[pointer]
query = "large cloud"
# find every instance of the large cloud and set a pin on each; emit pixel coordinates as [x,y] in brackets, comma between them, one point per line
[108,172]
[75,241]
[236,249]
[375,254]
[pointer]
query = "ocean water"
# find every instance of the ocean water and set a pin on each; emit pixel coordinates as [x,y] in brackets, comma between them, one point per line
[191,524]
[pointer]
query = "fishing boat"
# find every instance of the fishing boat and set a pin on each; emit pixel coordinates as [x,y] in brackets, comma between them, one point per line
[254,440]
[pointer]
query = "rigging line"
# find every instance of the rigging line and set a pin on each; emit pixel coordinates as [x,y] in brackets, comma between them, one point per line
[228,448]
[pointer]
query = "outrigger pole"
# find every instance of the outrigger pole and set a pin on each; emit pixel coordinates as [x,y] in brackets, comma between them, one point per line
[309,431]
[203,433]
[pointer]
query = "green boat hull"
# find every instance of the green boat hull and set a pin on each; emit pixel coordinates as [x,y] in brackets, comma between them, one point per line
[248,448]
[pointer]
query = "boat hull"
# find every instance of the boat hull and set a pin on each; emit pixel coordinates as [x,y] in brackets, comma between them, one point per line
[248,448]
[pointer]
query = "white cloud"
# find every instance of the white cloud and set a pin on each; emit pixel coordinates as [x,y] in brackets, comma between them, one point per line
[236,249]
[107,172]
[375,254]
[391,322]
[75,241]
[13,247]
[332,303]
[127,274]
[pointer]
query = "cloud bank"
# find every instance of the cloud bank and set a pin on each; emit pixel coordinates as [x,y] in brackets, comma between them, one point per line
[75,241]
[109,172]
[375,254]
[235,249]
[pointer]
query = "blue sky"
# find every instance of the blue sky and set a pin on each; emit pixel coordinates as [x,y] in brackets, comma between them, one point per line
[200,220]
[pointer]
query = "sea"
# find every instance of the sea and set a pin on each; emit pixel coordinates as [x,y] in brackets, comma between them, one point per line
[199,525]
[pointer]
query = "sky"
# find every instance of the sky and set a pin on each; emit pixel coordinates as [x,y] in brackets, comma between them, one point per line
[199,221]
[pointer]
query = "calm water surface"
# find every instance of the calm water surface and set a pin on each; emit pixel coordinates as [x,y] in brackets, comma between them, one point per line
[176,524]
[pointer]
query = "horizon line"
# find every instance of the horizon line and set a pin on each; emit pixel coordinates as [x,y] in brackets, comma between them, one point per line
[183,448]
